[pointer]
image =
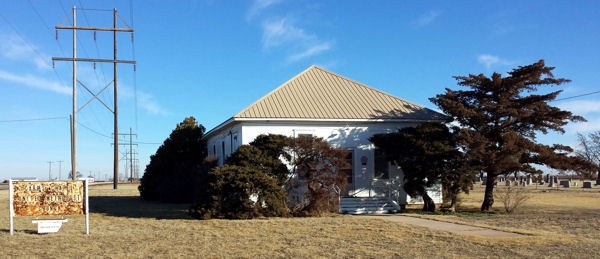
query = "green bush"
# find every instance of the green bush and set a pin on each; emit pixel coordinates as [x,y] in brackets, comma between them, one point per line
[262,158]
[240,192]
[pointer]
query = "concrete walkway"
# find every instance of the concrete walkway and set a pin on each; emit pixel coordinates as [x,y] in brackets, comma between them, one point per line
[446,226]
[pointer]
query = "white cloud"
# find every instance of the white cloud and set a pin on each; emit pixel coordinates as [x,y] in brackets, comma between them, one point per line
[428,17]
[592,124]
[278,32]
[311,51]
[149,103]
[491,60]
[36,82]
[580,107]
[13,47]
[301,44]
[145,100]
[258,6]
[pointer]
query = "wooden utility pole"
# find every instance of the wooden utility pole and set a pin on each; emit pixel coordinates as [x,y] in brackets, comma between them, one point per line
[59,168]
[72,148]
[131,144]
[114,29]
[116,130]
[74,125]
[130,156]
[49,170]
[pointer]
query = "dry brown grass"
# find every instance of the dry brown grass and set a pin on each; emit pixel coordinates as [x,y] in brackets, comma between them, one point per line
[559,214]
[124,226]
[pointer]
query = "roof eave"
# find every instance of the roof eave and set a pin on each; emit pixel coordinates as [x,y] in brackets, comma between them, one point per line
[233,120]
[340,120]
[219,127]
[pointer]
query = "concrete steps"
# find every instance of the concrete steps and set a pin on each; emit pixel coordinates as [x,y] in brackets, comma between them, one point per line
[371,205]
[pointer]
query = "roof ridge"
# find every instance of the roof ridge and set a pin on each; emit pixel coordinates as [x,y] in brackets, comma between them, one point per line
[274,90]
[366,86]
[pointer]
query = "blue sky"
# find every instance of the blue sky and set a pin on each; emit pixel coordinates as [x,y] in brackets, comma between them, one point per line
[210,59]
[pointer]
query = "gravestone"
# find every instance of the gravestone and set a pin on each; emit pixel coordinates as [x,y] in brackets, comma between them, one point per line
[507,182]
[574,184]
[587,185]
[598,181]
[523,183]
[528,179]
[551,184]
[547,178]
[555,179]
[565,184]
[541,182]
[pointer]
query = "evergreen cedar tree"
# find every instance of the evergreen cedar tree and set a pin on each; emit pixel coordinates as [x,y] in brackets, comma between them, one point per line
[428,155]
[319,165]
[499,118]
[179,166]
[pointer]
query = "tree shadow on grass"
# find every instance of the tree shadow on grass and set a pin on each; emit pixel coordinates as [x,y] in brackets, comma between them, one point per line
[135,207]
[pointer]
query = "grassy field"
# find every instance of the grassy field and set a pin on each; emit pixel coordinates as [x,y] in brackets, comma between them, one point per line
[561,223]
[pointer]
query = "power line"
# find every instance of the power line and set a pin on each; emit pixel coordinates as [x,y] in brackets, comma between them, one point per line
[134,70]
[35,119]
[45,24]
[38,15]
[95,43]
[147,143]
[30,46]
[92,130]
[78,40]
[576,96]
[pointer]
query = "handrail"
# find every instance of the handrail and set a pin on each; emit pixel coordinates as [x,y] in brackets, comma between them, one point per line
[338,191]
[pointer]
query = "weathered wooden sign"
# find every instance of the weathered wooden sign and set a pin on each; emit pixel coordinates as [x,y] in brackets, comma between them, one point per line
[38,198]
[48,198]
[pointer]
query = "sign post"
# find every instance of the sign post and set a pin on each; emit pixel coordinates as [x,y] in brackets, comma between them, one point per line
[87,208]
[40,198]
[10,205]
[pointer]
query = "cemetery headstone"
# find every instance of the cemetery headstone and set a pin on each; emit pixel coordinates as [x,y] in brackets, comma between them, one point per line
[565,184]
[587,185]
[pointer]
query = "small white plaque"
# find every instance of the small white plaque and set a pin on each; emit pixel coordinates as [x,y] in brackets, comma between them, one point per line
[49,226]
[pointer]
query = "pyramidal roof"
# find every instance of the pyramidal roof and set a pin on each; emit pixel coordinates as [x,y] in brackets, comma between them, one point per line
[317,93]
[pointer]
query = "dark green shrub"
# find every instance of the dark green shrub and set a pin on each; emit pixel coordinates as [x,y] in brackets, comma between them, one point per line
[240,192]
[264,154]
[179,166]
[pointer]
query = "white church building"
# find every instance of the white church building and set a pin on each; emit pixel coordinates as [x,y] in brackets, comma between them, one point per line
[343,112]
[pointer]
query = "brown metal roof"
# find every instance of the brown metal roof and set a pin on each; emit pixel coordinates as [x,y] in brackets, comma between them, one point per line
[317,93]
